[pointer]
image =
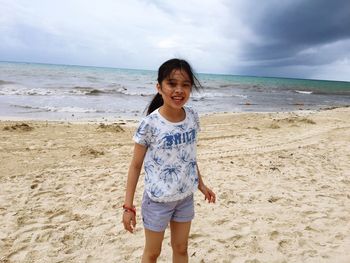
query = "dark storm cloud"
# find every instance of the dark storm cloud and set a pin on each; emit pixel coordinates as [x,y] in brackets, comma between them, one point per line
[286,29]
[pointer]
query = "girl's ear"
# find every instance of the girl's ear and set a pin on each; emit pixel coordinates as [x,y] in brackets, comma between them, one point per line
[159,88]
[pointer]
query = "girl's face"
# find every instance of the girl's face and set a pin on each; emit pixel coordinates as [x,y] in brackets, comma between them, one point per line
[175,89]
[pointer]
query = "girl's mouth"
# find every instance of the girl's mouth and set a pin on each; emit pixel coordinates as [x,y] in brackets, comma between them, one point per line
[178,98]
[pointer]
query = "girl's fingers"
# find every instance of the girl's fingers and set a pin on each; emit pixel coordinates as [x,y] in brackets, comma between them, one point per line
[133,221]
[209,195]
[212,196]
[129,228]
[209,198]
[129,223]
[126,226]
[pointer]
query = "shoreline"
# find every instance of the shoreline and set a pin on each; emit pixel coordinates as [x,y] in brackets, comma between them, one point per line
[137,118]
[281,180]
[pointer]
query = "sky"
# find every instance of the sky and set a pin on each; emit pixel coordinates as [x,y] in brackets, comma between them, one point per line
[290,38]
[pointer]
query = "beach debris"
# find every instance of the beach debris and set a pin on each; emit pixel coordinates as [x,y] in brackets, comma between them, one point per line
[253,128]
[306,120]
[294,120]
[87,151]
[336,107]
[19,127]
[114,127]
[273,199]
[274,126]
[273,168]
[33,186]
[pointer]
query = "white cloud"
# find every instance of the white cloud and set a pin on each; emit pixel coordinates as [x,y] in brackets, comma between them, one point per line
[120,33]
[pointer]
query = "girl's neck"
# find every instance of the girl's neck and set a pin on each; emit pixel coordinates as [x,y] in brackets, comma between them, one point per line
[172,115]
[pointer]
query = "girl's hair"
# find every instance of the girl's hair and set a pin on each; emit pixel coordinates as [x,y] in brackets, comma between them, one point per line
[164,72]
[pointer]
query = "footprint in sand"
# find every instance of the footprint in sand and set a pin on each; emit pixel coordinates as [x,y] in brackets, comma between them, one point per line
[15,252]
[252,261]
[221,221]
[195,236]
[274,235]
[284,245]
[339,236]
[88,151]
[231,239]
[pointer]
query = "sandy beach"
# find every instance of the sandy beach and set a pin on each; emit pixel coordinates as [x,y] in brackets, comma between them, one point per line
[282,182]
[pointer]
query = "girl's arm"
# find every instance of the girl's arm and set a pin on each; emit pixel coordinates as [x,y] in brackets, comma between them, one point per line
[208,193]
[129,218]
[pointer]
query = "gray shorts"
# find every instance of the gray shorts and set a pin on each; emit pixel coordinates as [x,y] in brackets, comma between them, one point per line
[157,215]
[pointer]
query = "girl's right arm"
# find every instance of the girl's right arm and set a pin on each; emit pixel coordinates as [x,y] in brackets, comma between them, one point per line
[129,218]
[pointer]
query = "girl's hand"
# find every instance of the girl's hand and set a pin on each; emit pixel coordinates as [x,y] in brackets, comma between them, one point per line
[208,193]
[129,221]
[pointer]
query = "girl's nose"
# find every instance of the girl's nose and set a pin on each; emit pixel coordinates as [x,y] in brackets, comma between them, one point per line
[179,88]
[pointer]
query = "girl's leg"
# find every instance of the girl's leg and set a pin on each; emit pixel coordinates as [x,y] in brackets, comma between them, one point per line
[153,246]
[179,240]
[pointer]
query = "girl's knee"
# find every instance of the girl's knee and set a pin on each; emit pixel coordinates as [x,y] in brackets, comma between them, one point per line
[151,255]
[179,248]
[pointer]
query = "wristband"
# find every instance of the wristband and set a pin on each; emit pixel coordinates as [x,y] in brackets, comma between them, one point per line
[129,209]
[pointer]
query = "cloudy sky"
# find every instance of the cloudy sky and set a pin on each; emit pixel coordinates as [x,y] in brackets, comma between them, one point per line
[290,38]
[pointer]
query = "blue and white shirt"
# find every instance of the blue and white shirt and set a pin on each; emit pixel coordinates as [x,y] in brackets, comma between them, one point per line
[170,162]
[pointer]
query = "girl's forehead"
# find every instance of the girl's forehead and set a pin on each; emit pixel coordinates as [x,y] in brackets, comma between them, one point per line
[178,74]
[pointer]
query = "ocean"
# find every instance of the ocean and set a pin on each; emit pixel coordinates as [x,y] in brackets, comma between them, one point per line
[65,92]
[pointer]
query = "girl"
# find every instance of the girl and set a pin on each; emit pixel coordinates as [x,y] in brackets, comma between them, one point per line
[165,142]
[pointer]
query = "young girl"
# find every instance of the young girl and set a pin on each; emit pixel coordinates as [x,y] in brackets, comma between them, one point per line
[165,142]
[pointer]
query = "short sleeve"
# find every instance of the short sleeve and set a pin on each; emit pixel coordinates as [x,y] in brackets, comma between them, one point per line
[195,118]
[143,133]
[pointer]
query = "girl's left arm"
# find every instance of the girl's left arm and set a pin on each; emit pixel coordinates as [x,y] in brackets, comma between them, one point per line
[207,192]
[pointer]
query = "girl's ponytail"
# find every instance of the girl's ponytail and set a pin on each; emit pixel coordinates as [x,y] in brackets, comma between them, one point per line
[156,102]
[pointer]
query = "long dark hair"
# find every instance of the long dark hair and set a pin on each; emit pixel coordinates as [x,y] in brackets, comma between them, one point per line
[165,71]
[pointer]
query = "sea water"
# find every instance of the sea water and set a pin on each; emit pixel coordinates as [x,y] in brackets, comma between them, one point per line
[64,92]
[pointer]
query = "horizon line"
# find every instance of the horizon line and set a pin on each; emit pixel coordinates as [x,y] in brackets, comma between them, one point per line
[202,73]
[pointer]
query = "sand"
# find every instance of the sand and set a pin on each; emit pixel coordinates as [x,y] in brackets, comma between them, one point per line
[282,182]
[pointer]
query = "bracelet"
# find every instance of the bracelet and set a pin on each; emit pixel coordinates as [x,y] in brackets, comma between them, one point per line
[129,209]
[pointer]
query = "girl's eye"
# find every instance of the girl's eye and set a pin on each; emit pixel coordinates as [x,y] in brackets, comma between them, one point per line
[183,85]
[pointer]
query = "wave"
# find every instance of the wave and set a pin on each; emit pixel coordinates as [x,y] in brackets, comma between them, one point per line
[18,89]
[4,82]
[77,90]
[218,86]
[316,91]
[8,88]
[209,95]
[303,92]
[116,90]
[58,109]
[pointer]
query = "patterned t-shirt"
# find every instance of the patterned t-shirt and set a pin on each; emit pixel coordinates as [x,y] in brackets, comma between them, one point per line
[170,162]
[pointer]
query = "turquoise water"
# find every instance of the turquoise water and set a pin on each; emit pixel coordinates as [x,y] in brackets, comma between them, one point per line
[315,86]
[62,92]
